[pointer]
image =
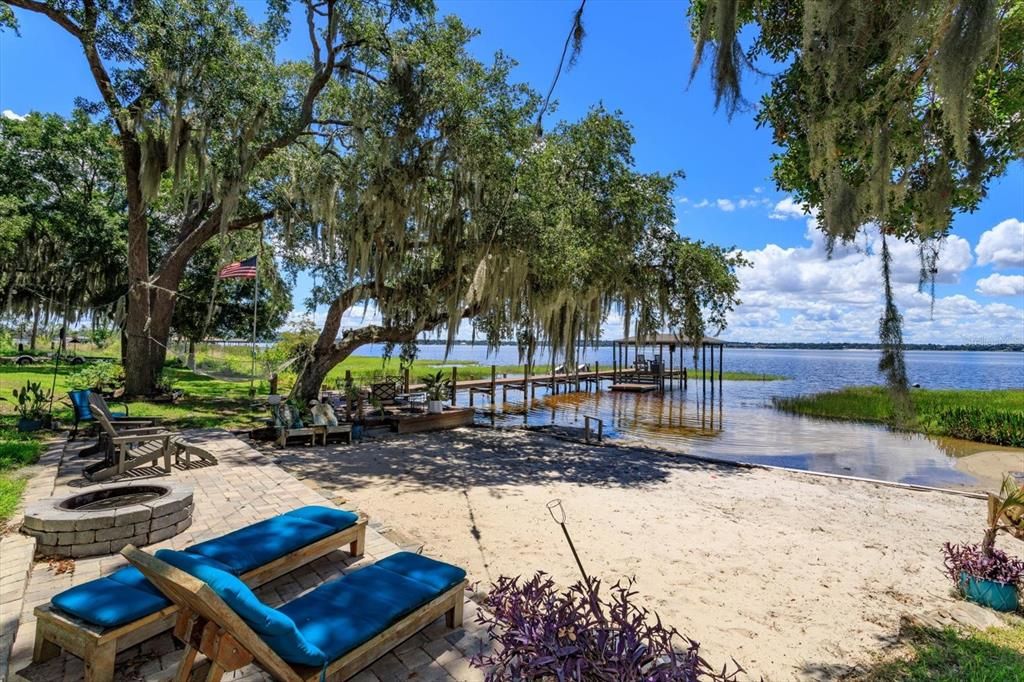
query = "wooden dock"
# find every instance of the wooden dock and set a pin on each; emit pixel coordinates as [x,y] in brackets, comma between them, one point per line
[556,383]
[621,379]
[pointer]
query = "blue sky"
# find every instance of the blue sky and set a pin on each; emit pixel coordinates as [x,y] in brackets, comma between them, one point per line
[636,59]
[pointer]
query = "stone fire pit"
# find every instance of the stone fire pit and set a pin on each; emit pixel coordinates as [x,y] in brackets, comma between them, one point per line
[102,520]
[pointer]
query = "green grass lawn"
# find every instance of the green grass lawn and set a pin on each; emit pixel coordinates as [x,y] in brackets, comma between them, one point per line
[16,451]
[207,401]
[986,416]
[994,655]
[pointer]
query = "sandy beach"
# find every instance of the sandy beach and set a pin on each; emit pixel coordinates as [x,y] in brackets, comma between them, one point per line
[794,576]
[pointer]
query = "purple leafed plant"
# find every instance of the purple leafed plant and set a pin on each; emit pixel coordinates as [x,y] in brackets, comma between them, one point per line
[541,633]
[974,561]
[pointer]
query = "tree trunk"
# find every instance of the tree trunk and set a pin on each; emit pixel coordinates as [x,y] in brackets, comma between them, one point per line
[35,326]
[311,377]
[191,362]
[139,369]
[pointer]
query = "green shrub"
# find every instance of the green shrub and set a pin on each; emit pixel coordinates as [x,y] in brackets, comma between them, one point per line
[101,377]
[983,425]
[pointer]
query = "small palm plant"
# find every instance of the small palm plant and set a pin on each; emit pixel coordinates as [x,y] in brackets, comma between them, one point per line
[438,388]
[983,573]
[1005,513]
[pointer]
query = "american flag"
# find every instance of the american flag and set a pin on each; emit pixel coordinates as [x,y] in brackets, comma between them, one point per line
[245,269]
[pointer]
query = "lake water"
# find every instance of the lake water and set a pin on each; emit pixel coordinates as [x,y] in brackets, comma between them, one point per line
[738,423]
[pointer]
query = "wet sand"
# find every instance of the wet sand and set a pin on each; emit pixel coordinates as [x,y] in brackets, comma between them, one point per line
[795,576]
[990,466]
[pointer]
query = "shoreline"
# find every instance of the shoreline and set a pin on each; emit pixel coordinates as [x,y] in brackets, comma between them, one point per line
[755,563]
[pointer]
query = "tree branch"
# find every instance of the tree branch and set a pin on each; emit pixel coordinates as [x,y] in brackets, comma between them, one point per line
[59,18]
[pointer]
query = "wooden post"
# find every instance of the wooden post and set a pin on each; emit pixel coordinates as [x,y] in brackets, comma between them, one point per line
[704,366]
[348,378]
[405,380]
[712,362]
[526,383]
[671,354]
[615,363]
[455,382]
[494,385]
[597,376]
[721,362]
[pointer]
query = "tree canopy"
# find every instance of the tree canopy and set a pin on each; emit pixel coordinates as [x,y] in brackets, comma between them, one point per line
[396,168]
[895,113]
[62,225]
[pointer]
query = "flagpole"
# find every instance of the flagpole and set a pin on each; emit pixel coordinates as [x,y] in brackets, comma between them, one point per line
[255,302]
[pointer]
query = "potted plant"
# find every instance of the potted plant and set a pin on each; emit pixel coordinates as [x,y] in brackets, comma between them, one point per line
[30,401]
[982,573]
[437,387]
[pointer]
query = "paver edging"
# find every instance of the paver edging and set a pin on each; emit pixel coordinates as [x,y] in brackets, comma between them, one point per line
[17,551]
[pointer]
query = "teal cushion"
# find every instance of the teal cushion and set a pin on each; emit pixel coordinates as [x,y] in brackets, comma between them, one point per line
[273,626]
[341,614]
[132,577]
[435,574]
[337,519]
[112,601]
[263,542]
[125,595]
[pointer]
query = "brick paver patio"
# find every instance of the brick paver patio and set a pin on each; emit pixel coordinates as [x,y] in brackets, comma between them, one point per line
[245,487]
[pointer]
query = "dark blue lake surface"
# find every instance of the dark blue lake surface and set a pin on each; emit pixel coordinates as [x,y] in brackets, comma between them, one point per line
[738,423]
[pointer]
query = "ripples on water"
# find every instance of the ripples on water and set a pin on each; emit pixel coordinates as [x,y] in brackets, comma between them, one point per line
[738,423]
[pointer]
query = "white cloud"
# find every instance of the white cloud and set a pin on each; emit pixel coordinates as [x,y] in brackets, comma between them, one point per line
[8,114]
[758,190]
[787,209]
[702,203]
[800,294]
[1001,285]
[1003,245]
[726,205]
[682,200]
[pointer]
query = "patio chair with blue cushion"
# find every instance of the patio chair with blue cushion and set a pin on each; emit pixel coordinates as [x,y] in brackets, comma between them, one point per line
[99,618]
[332,631]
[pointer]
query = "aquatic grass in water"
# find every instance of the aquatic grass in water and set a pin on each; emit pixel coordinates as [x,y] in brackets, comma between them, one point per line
[995,417]
[984,426]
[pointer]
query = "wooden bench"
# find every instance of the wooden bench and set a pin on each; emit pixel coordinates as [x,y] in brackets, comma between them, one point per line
[99,647]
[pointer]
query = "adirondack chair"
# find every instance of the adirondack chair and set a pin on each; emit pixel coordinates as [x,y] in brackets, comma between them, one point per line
[289,424]
[83,413]
[132,448]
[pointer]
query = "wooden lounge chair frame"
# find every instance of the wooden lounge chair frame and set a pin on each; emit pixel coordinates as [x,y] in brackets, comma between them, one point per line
[209,626]
[99,647]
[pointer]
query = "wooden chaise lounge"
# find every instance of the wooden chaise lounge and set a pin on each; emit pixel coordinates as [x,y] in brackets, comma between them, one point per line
[102,617]
[331,632]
